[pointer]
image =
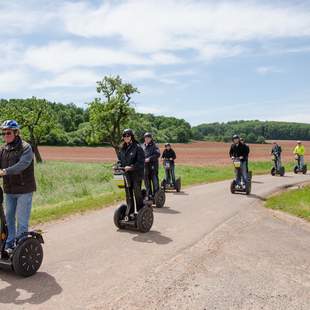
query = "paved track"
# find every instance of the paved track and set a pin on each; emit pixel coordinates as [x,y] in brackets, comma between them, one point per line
[208,249]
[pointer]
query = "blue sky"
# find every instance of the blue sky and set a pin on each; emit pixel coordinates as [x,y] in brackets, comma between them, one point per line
[203,61]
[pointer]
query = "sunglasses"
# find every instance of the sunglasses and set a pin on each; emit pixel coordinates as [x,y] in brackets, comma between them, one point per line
[6,133]
[126,136]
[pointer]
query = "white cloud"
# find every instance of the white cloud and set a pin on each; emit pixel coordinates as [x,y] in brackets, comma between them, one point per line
[14,80]
[265,70]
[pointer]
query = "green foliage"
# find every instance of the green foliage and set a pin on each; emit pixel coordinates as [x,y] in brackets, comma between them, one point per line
[253,131]
[110,116]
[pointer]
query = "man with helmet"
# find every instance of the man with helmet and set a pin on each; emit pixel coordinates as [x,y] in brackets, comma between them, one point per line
[169,154]
[239,150]
[131,157]
[17,170]
[152,154]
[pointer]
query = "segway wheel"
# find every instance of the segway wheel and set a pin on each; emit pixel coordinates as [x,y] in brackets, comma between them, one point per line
[233,187]
[119,215]
[28,257]
[250,174]
[178,185]
[273,171]
[304,169]
[160,198]
[163,184]
[248,188]
[282,171]
[145,219]
[295,169]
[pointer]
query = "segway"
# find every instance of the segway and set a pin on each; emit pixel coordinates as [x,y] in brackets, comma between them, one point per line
[170,186]
[240,188]
[277,168]
[298,168]
[158,200]
[141,220]
[27,256]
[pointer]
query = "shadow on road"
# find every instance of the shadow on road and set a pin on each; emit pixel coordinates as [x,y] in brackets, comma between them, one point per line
[165,210]
[152,237]
[257,182]
[34,290]
[180,193]
[257,197]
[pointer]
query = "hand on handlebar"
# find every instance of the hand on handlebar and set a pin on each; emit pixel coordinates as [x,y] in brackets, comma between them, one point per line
[128,168]
[147,160]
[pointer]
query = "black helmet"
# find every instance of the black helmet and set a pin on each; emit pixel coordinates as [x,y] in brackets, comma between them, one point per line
[235,137]
[128,132]
[167,144]
[148,135]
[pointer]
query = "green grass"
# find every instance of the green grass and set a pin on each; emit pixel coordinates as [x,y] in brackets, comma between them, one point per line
[296,202]
[65,188]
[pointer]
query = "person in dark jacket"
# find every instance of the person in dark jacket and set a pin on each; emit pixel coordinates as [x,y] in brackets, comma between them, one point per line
[17,170]
[131,157]
[276,152]
[152,154]
[239,151]
[169,154]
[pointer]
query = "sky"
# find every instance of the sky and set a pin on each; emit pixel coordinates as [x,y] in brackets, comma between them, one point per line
[204,61]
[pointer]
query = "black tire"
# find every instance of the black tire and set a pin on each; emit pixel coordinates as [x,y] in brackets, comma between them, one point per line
[304,169]
[273,171]
[282,171]
[233,187]
[27,257]
[250,174]
[145,219]
[119,215]
[163,184]
[295,169]
[160,198]
[178,185]
[248,188]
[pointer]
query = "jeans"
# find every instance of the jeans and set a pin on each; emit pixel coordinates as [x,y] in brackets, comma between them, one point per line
[17,205]
[170,175]
[151,181]
[301,161]
[278,163]
[242,173]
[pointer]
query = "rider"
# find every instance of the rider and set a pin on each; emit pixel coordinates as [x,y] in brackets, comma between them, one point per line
[169,154]
[17,164]
[242,141]
[276,152]
[239,151]
[299,151]
[152,153]
[131,157]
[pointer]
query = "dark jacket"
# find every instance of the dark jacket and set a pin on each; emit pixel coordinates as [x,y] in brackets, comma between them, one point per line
[24,181]
[133,155]
[238,150]
[152,152]
[276,151]
[247,150]
[167,154]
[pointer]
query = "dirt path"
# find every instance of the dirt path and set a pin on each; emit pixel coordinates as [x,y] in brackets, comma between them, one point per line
[208,249]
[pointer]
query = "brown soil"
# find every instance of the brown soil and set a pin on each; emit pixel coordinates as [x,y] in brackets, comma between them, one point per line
[196,153]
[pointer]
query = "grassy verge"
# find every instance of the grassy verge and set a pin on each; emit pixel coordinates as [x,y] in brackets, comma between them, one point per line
[65,188]
[296,202]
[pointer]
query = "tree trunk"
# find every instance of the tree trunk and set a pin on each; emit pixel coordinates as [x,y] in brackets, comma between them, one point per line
[37,154]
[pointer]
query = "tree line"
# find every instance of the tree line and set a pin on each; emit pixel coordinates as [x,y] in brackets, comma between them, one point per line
[102,121]
[253,131]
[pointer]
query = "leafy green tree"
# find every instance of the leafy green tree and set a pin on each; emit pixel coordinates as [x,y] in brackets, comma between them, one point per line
[35,117]
[111,114]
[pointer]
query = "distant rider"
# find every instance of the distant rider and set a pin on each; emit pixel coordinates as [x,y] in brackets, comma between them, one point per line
[169,154]
[276,152]
[131,157]
[152,154]
[299,152]
[239,151]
